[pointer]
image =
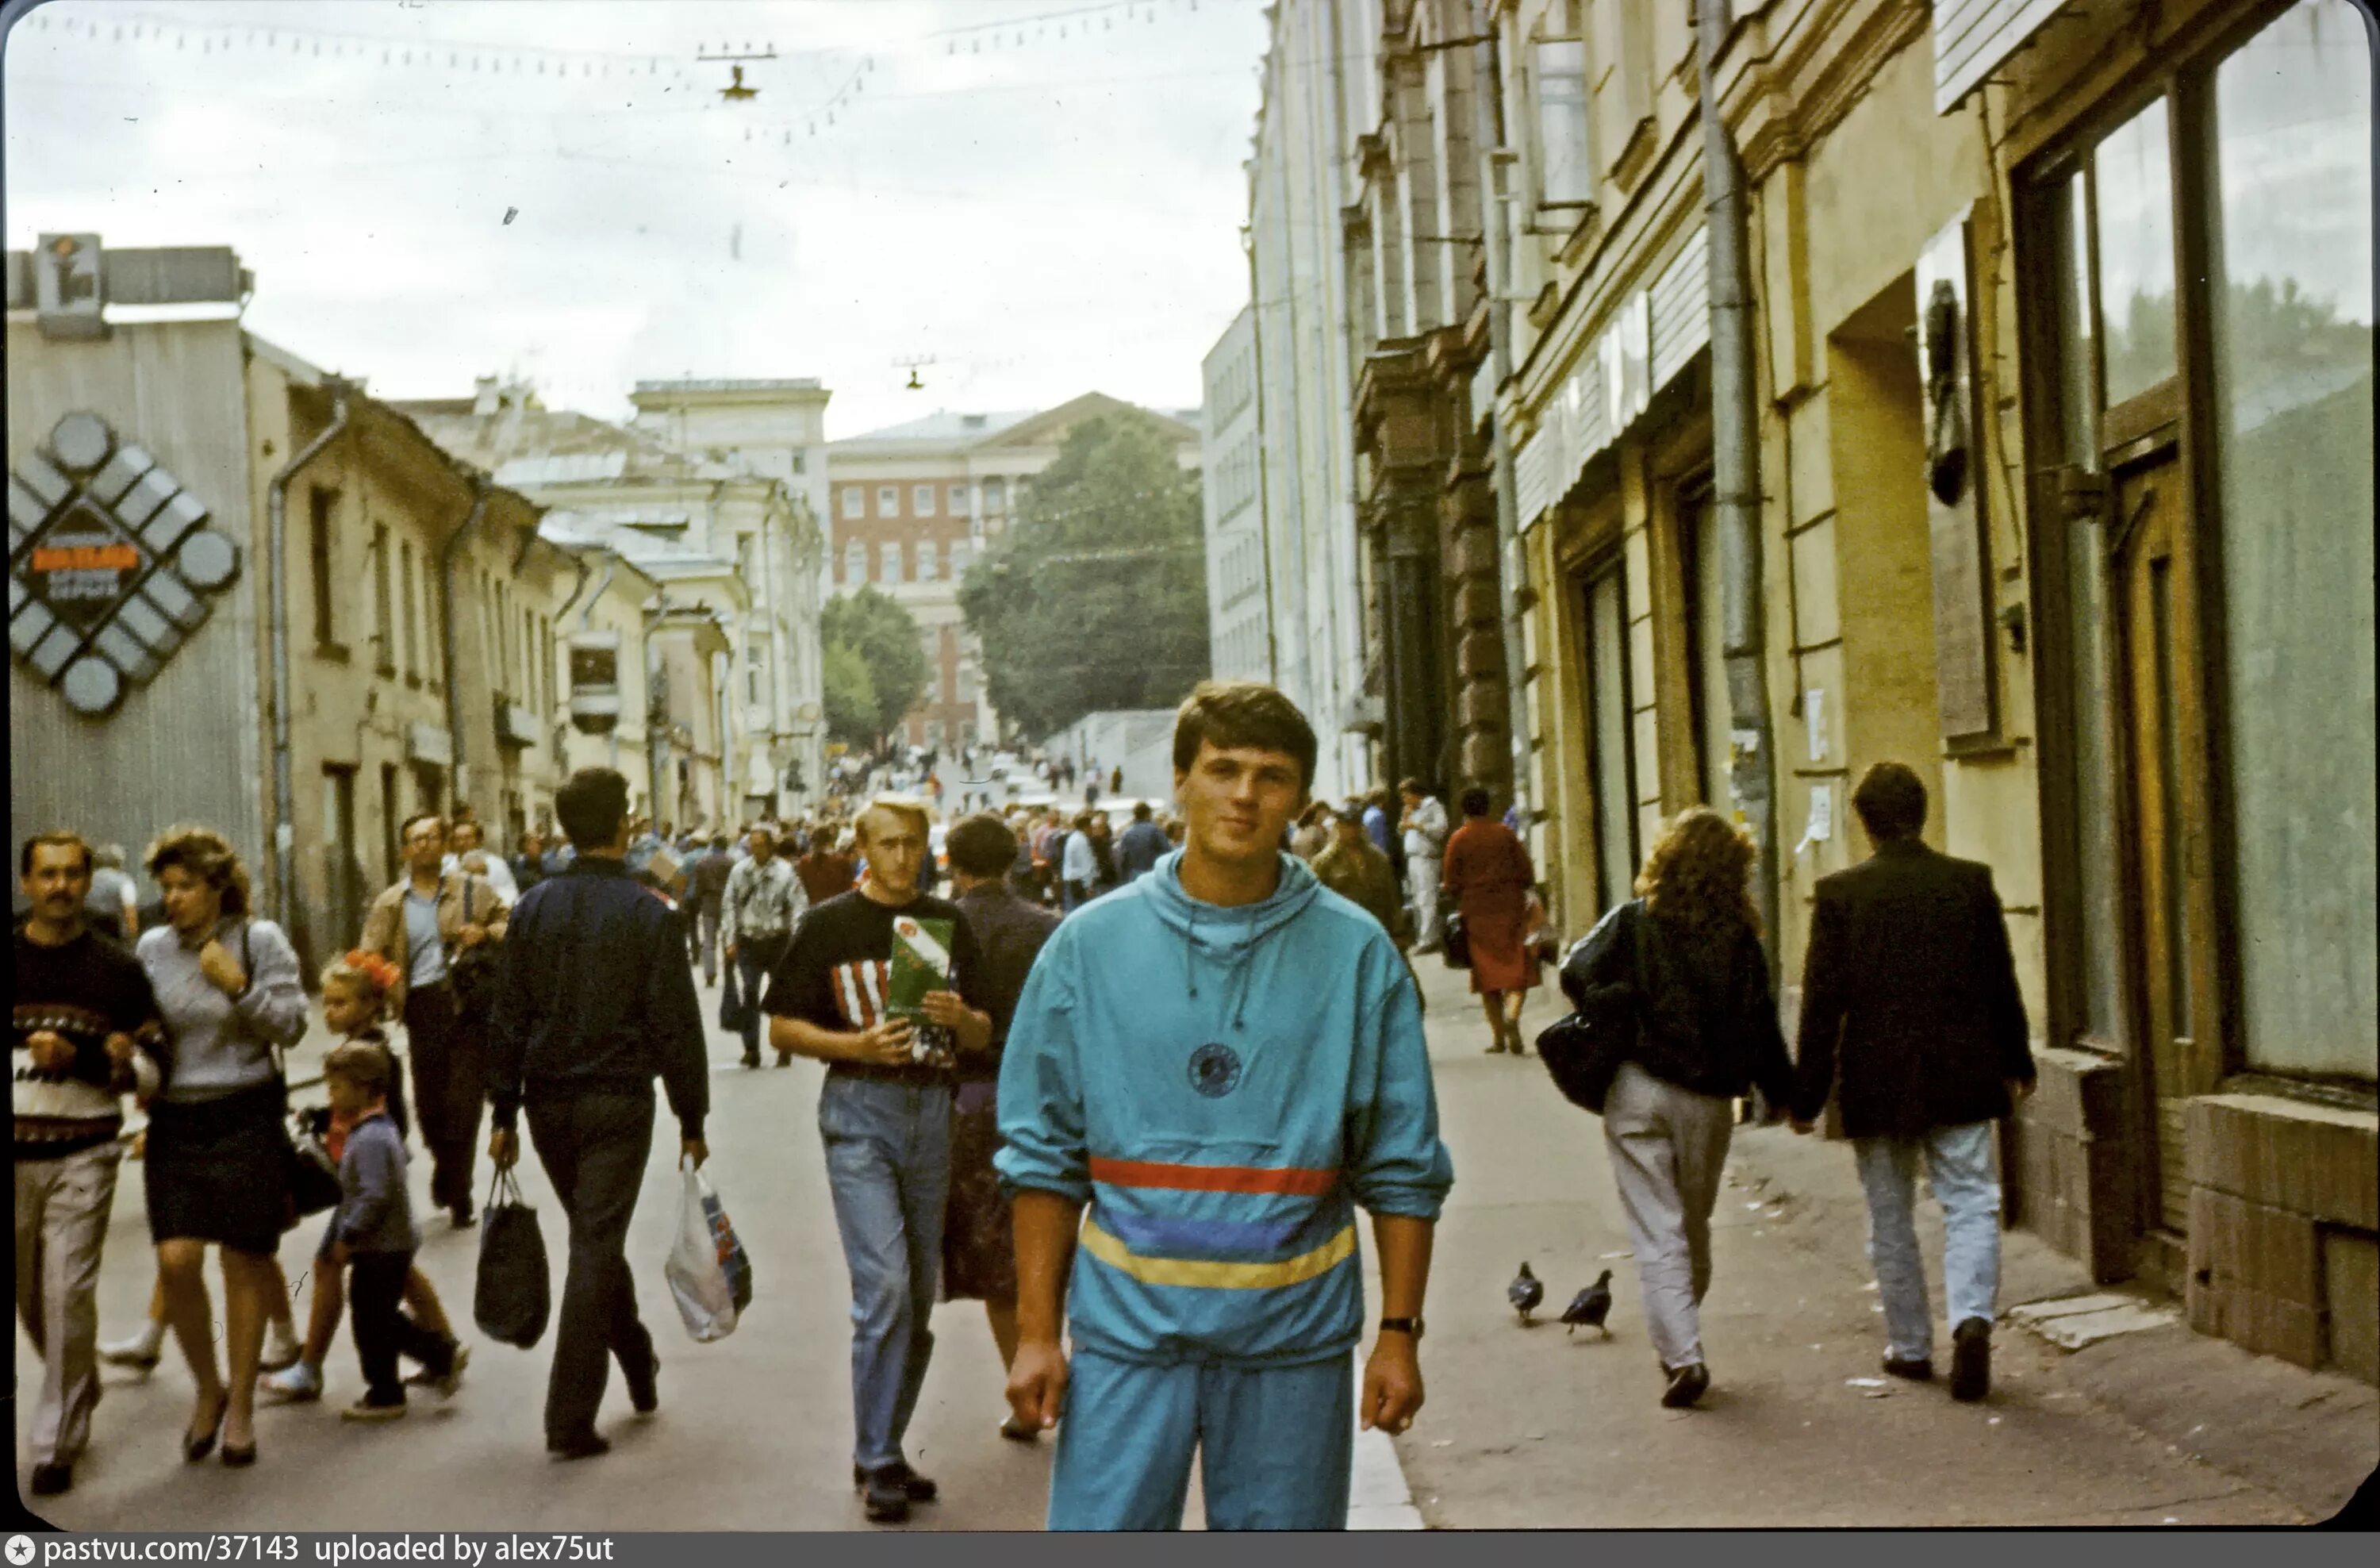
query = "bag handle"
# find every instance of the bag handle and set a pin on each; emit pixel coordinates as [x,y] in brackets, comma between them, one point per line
[501,1183]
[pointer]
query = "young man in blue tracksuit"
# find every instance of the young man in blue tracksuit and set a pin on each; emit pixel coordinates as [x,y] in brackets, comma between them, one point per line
[1222,1060]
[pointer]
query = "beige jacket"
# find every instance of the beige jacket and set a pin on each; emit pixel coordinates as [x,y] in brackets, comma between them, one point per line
[461,900]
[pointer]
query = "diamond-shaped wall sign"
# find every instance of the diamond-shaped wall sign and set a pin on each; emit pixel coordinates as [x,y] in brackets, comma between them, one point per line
[109,565]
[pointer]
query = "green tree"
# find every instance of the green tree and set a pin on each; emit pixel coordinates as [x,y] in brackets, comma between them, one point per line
[874,664]
[850,697]
[1096,599]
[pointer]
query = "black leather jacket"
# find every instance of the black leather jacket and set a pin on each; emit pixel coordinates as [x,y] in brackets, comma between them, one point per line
[1709,1029]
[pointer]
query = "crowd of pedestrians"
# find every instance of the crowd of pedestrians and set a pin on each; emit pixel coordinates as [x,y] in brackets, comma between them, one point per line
[1151,1074]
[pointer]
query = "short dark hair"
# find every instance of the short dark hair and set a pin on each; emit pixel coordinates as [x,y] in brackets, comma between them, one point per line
[1236,713]
[58,838]
[591,804]
[1140,811]
[1475,802]
[1412,787]
[981,845]
[1891,801]
[720,841]
[360,1063]
[404,828]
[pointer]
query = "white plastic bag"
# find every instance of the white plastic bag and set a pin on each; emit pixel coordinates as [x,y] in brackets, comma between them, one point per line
[709,1275]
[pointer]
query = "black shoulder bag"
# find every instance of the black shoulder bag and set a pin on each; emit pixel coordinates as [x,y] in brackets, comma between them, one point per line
[1582,1049]
[313,1174]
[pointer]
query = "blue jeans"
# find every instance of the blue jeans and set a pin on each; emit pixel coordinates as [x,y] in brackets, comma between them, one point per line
[1277,1445]
[1958,1168]
[888,1166]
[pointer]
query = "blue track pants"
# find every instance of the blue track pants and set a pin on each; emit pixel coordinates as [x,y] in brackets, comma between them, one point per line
[1278,1445]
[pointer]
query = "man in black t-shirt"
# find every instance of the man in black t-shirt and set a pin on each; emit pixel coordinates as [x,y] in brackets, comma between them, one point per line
[884,1115]
[86,1033]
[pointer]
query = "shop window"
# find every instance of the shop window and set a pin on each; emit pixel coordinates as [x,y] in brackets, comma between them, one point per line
[2289,194]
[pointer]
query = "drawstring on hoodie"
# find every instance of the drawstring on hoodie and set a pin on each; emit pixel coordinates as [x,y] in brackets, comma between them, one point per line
[1244,961]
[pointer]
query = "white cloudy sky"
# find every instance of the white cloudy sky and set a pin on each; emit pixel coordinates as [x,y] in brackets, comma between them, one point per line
[1043,207]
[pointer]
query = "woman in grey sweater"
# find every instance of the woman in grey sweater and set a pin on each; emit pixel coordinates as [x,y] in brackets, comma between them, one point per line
[217,1165]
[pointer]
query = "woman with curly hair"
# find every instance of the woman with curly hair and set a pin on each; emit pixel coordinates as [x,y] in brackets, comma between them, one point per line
[217,1165]
[1685,955]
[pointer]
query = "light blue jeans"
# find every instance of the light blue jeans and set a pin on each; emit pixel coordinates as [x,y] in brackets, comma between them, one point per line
[888,1167]
[1958,1168]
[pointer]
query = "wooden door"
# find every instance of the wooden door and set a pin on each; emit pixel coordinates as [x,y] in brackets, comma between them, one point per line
[2154,585]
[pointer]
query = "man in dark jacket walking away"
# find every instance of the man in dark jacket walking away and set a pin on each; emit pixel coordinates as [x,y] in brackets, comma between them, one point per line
[597,1000]
[1909,983]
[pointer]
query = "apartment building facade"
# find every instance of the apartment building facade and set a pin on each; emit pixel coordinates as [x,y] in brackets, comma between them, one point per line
[915,504]
[2060,325]
[160,469]
[1240,628]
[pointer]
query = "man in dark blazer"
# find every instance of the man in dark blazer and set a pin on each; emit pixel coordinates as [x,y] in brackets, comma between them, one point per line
[1909,986]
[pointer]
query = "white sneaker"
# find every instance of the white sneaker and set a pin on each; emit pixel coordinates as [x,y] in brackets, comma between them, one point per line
[141,1350]
[282,1348]
[299,1384]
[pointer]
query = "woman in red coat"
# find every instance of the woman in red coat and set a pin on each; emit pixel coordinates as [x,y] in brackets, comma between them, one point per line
[1489,875]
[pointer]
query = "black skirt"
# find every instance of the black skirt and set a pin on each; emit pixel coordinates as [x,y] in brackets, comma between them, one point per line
[979,1235]
[218,1170]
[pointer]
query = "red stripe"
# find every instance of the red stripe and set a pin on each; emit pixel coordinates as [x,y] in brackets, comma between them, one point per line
[1213,1178]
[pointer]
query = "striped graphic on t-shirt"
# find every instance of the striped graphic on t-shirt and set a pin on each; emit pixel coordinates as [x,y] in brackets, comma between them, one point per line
[859,991]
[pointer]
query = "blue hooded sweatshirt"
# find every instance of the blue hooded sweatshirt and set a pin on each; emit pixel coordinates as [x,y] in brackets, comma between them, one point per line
[1222,1087]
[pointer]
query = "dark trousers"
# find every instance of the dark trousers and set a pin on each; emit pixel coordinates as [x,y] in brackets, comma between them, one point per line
[754,957]
[593,1148]
[449,1086]
[384,1333]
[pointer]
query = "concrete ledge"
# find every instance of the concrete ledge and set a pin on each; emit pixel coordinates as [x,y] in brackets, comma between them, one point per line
[2318,1160]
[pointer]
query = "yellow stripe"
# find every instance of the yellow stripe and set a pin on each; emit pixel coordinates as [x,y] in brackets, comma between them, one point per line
[1218,1276]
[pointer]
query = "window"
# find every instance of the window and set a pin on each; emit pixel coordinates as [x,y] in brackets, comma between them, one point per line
[854,502]
[966,683]
[929,554]
[960,549]
[384,606]
[529,658]
[2289,180]
[800,463]
[887,558]
[1698,552]
[412,644]
[995,496]
[2133,172]
[958,500]
[854,561]
[324,506]
[921,499]
[756,665]
[1611,765]
[888,500]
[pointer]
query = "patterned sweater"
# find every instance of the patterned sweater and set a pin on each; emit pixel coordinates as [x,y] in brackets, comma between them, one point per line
[84,990]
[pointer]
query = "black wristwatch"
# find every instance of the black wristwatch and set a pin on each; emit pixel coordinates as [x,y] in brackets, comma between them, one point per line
[1402,1326]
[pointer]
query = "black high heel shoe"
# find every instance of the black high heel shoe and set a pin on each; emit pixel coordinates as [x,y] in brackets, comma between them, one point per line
[195,1449]
[239,1458]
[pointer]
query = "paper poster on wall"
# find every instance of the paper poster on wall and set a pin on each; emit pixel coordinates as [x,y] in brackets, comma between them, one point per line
[1821,825]
[1813,713]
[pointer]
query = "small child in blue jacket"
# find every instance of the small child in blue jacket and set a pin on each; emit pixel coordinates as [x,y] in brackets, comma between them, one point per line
[372,1236]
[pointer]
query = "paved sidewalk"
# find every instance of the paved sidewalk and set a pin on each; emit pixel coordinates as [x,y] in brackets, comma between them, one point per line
[1537,1428]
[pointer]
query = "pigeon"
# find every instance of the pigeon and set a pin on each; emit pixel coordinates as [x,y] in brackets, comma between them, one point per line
[1590,1305]
[1524,1293]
